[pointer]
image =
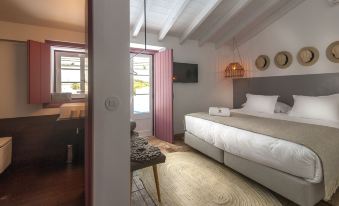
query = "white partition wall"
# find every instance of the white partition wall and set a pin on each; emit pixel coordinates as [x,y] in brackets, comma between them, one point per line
[111,149]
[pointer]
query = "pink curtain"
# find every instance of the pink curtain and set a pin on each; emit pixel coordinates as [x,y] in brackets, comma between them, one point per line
[163,95]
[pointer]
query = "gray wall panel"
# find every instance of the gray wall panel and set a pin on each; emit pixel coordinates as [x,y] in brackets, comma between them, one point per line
[285,86]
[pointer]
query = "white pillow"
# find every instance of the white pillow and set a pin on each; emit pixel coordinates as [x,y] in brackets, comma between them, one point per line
[322,108]
[335,97]
[281,107]
[260,103]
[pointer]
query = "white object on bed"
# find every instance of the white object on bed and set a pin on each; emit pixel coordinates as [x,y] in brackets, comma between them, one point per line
[279,154]
[334,97]
[322,108]
[281,107]
[219,111]
[260,103]
[287,117]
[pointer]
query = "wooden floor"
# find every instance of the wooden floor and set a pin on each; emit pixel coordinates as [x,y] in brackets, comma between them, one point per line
[139,196]
[40,185]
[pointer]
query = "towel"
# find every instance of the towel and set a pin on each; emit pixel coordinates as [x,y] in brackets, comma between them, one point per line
[72,111]
[219,111]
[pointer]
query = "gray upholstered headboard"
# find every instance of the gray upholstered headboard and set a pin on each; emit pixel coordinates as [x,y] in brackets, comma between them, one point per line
[285,86]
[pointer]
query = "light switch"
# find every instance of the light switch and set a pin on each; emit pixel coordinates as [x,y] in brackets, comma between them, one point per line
[112,103]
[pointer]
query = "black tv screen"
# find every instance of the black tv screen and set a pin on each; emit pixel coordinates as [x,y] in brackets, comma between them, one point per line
[185,73]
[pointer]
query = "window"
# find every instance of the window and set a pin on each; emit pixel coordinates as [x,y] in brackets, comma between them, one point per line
[141,67]
[70,73]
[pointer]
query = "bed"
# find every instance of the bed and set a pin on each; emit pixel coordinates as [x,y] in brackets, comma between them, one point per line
[290,169]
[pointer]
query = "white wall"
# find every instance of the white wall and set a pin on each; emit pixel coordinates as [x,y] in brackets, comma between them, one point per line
[312,23]
[193,97]
[13,66]
[14,83]
[111,78]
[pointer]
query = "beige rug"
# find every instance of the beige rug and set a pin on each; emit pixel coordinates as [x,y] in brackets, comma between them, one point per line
[191,179]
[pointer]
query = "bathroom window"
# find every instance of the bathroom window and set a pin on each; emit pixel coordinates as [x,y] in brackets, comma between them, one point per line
[70,73]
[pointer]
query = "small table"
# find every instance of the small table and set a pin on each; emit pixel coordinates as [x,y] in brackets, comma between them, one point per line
[140,164]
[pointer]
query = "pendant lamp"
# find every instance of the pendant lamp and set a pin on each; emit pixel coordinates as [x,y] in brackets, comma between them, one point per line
[235,68]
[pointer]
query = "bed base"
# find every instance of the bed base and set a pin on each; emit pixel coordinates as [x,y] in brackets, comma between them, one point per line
[293,188]
[204,147]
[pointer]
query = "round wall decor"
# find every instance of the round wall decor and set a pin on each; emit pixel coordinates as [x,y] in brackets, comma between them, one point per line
[262,62]
[308,56]
[283,59]
[332,52]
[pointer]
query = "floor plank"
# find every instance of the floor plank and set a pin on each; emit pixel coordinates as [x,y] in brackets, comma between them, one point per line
[147,198]
[139,194]
[137,199]
[35,185]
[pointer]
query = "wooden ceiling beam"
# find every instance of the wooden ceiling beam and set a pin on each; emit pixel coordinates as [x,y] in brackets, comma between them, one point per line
[240,5]
[208,9]
[141,19]
[137,26]
[175,13]
[267,20]
[235,30]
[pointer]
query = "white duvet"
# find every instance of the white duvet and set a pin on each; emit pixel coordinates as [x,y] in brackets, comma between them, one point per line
[279,154]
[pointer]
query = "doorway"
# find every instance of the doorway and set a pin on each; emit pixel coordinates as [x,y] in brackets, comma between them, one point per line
[141,91]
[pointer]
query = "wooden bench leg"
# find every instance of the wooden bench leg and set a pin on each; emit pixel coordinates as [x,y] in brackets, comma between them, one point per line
[156,178]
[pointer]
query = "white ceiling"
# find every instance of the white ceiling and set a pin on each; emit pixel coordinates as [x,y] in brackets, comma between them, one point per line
[214,21]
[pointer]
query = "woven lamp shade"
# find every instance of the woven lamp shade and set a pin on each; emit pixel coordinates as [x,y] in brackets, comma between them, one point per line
[234,69]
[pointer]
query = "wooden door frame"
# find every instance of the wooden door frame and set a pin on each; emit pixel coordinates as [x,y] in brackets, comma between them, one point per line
[150,54]
[89,108]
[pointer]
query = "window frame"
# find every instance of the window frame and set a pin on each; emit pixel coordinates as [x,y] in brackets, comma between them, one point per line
[56,85]
[143,115]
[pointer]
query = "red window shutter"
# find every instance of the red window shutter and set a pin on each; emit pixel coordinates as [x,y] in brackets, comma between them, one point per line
[45,73]
[34,74]
[39,73]
[163,95]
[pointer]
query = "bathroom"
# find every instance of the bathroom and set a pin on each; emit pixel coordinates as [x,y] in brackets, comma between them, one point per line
[43,82]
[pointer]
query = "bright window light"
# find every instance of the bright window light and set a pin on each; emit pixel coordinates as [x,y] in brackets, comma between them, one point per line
[142,46]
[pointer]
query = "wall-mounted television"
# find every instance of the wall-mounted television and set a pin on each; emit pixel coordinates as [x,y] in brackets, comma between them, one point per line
[185,73]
